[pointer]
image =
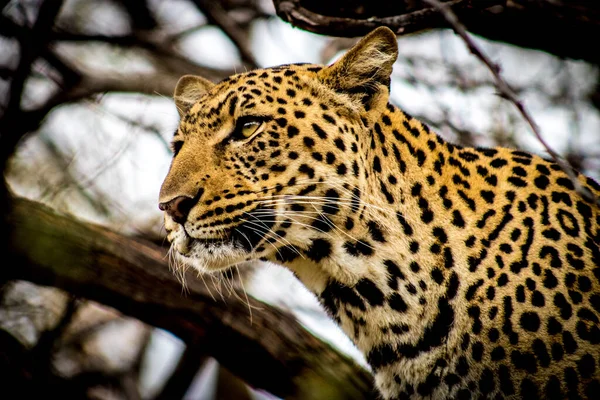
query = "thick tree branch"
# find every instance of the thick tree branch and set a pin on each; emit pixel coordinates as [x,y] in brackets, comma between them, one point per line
[563,28]
[323,17]
[273,352]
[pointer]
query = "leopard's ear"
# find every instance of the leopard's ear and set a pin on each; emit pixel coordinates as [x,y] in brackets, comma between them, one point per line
[188,91]
[366,68]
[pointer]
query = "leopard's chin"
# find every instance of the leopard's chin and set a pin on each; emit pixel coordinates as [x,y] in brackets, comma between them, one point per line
[214,256]
[232,244]
[208,254]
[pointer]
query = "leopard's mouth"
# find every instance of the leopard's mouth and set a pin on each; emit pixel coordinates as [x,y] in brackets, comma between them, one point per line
[235,244]
[209,254]
[253,228]
[210,241]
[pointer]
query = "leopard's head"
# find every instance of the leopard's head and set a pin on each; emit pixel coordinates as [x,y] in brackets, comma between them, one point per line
[267,162]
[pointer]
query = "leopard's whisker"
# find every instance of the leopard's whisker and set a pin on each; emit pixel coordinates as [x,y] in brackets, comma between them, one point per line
[359,200]
[325,203]
[206,285]
[269,230]
[217,285]
[287,214]
[269,233]
[308,226]
[247,302]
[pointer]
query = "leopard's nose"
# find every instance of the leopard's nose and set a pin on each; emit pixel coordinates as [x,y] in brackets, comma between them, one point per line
[178,208]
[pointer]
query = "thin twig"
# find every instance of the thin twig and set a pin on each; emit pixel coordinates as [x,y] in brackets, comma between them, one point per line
[30,48]
[172,38]
[216,15]
[506,91]
[158,49]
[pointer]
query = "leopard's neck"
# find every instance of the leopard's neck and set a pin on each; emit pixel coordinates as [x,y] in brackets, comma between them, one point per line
[388,281]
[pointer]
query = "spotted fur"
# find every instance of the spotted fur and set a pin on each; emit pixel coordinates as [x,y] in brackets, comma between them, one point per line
[459,272]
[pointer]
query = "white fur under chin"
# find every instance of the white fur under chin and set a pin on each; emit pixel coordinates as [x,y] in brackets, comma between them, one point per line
[212,257]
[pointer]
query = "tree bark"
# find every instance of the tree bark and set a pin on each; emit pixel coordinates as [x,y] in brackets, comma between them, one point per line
[563,28]
[273,352]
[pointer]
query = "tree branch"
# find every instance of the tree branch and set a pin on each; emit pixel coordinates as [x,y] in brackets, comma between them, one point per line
[140,15]
[559,27]
[273,352]
[324,19]
[216,15]
[16,123]
[162,55]
[31,46]
[182,377]
[148,83]
[506,91]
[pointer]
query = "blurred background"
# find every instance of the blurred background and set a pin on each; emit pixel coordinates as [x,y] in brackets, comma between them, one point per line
[85,123]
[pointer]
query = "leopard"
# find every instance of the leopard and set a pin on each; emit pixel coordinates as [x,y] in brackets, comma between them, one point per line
[458,272]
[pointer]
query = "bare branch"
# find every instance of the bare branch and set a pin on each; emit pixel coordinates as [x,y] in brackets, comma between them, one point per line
[189,364]
[31,46]
[70,76]
[140,15]
[215,13]
[506,91]
[162,54]
[6,73]
[559,27]
[412,20]
[148,83]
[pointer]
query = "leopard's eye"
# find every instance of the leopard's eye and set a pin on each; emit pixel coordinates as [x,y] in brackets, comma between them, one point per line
[247,127]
